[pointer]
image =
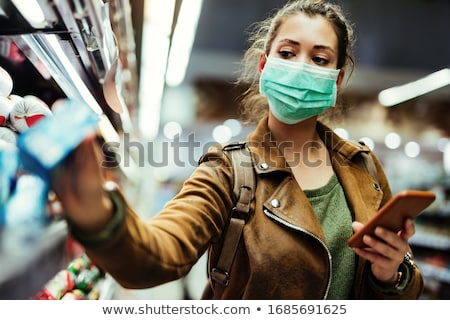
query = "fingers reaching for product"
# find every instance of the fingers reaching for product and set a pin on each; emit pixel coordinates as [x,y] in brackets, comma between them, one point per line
[78,183]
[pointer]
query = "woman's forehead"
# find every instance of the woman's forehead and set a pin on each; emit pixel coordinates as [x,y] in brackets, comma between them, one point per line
[301,27]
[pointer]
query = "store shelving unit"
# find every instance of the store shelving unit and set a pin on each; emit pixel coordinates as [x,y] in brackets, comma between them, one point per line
[73,47]
[30,257]
[431,245]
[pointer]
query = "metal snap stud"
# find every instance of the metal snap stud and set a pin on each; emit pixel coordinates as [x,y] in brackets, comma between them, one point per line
[275,203]
[264,166]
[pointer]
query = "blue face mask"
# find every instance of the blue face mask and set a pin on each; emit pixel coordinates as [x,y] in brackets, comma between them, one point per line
[297,91]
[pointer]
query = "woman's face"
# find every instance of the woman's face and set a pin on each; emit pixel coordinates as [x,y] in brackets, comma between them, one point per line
[306,39]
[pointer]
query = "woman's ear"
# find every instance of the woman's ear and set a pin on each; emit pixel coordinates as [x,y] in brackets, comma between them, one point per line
[262,62]
[340,78]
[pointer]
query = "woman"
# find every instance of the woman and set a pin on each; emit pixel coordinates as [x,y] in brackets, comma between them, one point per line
[311,194]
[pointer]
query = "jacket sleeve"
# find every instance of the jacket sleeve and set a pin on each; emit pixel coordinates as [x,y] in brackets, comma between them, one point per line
[411,289]
[143,254]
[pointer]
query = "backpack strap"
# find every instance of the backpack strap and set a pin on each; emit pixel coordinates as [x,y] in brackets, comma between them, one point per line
[244,190]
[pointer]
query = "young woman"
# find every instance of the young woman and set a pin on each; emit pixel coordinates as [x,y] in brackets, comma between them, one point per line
[311,193]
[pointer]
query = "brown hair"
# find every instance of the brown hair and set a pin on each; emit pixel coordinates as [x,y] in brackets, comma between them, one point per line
[253,105]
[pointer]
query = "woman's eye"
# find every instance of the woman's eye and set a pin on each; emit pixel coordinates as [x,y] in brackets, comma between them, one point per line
[286,54]
[320,61]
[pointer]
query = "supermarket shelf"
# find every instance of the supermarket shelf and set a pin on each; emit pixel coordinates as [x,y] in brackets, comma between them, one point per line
[434,241]
[29,258]
[107,288]
[434,272]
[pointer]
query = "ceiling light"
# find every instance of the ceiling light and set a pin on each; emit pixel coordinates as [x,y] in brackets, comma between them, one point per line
[446,158]
[182,40]
[234,125]
[32,12]
[222,134]
[392,140]
[443,143]
[155,49]
[412,149]
[399,94]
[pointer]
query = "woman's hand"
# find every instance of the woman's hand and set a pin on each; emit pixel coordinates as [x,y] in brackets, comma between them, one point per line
[386,250]
[78,184]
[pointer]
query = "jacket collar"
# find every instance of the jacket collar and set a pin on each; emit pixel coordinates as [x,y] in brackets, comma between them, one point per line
[268,158]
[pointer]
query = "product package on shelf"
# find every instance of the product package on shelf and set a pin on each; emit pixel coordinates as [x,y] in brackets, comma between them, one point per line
[27,202]
[35,138]
[6,83]
[48,142]
[44,139]
[79,281]
[23,194]
[9,164]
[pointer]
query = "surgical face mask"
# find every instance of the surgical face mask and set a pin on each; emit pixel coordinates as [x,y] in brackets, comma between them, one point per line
[297,91]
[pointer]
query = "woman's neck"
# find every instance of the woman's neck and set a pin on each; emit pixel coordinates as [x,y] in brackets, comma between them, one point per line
[297,136]
[304,152]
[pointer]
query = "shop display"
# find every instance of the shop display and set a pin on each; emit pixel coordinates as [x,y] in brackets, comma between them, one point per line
[42,74]
[77,282]
[8,137]
[33,140]
[52,139]
[431,244]
[6,106]
[28,111]
[6,83]
[42,140]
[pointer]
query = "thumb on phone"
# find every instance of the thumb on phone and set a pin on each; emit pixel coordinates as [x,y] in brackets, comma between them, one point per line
[356,226]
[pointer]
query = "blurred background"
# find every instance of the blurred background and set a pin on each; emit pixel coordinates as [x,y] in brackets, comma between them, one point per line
[171,66]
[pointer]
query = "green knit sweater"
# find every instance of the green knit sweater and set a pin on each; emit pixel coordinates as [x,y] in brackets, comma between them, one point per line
[331,208]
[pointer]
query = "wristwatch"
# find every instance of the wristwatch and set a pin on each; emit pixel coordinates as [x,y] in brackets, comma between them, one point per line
[111,189]
[404,276]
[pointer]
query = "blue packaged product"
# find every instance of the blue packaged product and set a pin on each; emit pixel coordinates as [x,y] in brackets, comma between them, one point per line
[48,142]
[27,202]
[8,164]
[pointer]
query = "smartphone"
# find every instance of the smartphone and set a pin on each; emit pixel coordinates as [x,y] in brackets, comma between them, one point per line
[406,204]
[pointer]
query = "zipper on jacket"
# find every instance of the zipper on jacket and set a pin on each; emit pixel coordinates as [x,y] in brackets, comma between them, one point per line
[297,228]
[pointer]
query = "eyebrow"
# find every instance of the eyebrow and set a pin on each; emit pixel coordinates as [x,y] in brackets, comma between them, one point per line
[316,47]
[322,47]
[296,43]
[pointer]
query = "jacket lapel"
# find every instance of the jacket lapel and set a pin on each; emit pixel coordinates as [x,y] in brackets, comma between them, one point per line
[362,195]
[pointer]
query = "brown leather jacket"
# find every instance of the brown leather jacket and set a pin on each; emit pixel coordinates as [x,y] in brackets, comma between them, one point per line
[283,253]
